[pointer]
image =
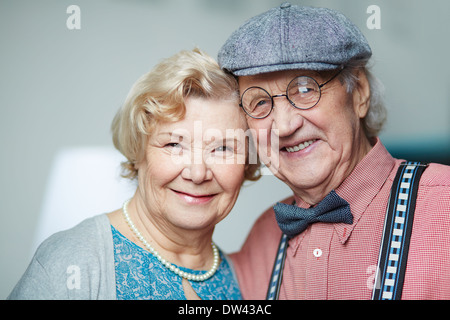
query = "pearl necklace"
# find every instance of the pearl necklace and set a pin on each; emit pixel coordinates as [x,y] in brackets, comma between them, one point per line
[167,264]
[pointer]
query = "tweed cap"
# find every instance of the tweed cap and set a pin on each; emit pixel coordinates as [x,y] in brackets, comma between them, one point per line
[293,37]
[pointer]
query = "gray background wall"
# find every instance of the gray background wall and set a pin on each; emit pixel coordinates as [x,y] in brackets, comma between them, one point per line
[60,89]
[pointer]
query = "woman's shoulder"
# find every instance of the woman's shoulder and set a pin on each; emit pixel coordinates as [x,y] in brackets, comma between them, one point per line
[92,234]
[77,263]
[90,237]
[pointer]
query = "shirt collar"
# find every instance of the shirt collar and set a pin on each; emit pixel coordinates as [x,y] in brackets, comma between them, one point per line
[363,184]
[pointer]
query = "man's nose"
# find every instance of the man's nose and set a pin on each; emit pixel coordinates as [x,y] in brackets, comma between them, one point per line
[286,118]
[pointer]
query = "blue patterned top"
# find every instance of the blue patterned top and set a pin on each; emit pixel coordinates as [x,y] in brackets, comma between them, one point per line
[140,276]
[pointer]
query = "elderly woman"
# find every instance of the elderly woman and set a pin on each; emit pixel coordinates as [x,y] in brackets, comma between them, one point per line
[183,135]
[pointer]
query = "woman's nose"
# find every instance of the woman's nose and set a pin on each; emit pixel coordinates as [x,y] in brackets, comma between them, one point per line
[197,171]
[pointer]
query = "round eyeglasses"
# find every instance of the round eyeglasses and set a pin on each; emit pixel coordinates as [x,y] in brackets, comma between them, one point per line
[302,92]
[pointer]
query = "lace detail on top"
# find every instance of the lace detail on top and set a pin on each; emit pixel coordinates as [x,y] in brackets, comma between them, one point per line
[140,276]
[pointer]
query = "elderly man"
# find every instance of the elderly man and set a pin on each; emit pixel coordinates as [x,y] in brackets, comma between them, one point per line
[360,224]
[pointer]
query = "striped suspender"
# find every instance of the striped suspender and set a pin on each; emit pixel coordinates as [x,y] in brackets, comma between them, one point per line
[397,232]
[395,242]
[277,272]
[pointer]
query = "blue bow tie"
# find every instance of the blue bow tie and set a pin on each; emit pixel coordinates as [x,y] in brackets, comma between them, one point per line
[294,220]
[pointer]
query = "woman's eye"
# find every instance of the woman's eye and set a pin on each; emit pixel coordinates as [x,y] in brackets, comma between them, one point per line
[173,145]
[223,149]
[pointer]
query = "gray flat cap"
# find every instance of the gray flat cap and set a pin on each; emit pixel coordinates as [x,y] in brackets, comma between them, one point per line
[292,37]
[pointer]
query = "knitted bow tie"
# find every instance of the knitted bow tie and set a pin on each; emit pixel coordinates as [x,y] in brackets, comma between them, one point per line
[294,220]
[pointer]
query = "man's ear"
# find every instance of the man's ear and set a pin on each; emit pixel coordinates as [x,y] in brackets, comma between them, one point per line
[361,95]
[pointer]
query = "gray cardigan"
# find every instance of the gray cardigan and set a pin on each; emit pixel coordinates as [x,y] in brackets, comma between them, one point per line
[74,264]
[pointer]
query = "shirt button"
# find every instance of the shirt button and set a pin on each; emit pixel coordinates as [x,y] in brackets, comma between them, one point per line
[317,253]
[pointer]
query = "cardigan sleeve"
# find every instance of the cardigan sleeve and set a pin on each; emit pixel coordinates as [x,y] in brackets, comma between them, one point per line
[35,284]
[74,264]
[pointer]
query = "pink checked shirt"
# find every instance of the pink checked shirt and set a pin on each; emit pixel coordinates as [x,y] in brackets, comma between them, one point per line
[339,261]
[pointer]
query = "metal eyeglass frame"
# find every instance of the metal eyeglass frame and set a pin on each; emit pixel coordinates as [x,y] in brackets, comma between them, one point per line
[286,95]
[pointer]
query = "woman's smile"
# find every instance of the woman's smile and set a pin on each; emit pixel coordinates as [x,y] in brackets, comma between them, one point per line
[195,199]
